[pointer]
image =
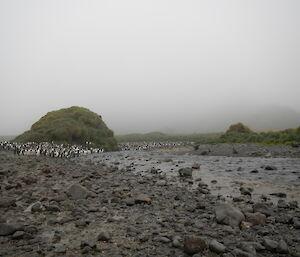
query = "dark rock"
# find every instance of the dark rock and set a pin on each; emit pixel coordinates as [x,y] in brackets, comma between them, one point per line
[216,247]
[52,208]
[256,218]
[60,248]
[196,166]
[270,167]
[282,204]
[270,244]
[142,199]
[228,215]
[241,253]
[296,223]
[262,208]
[18,235]
[7,202]
[247,247]
[89,243]
[282,247]
[293,204]
[246,191]
[104,235]
[194,244]
[185,172]
[176,242]
[130,202]
[7,229]
[161,183]
[279,194]
[204,153]
[164,239]
[76,192]
[29,180]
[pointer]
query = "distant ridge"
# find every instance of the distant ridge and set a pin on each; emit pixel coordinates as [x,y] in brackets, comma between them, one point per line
[274,118]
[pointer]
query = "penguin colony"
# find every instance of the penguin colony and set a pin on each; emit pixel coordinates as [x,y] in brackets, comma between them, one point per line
[49,149]
[144,146]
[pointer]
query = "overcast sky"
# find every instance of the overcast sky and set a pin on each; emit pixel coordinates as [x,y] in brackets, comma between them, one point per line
[146,65]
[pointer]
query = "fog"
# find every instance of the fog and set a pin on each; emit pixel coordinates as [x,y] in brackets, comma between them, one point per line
[171,66]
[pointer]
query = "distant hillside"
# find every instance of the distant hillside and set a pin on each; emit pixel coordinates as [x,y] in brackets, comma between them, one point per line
[160,137]
[6,138]
[239,133]
[75,125]
[273,118]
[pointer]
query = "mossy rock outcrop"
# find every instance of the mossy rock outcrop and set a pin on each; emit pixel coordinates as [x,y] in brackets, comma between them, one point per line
[239,128]
[74,125]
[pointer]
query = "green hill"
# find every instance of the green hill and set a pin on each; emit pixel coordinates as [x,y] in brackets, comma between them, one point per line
[74,125]
[239,133]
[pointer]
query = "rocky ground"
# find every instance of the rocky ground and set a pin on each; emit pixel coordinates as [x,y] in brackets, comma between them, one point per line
[247,150]
[57,207]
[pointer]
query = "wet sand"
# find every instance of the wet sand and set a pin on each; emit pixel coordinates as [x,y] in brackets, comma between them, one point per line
[227,173]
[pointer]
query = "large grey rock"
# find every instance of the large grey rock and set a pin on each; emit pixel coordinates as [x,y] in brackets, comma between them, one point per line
[76,192]
[185,172]
[228,215]
[8,229]
[282,247]
[216,247]
[34,207]
[142,198]
[103,235]
[270,244]
[263,208]
[256,218]
[7,202]
[296,223]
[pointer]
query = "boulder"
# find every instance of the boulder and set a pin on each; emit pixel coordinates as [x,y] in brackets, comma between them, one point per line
[262,208]
[196,166]
[228,215]
[194,244]
[270,167]
[282,247]
[103,235]
[216,247]
[270,244]
[142,199]
[185,172]
[76,192]
[256,218]
[7,202]
[8,229]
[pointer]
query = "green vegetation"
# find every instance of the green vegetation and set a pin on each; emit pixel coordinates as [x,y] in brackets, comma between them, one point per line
[6,138]
[237,133]
[161,137]
[74,125]
[238,128]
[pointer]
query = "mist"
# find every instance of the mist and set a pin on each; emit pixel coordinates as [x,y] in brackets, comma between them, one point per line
[170,66]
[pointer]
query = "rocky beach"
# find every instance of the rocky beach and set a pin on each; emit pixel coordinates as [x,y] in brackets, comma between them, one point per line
[151,203]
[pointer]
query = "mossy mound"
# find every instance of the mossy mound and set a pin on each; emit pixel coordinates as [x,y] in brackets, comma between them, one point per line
[238,128]
[74,125]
